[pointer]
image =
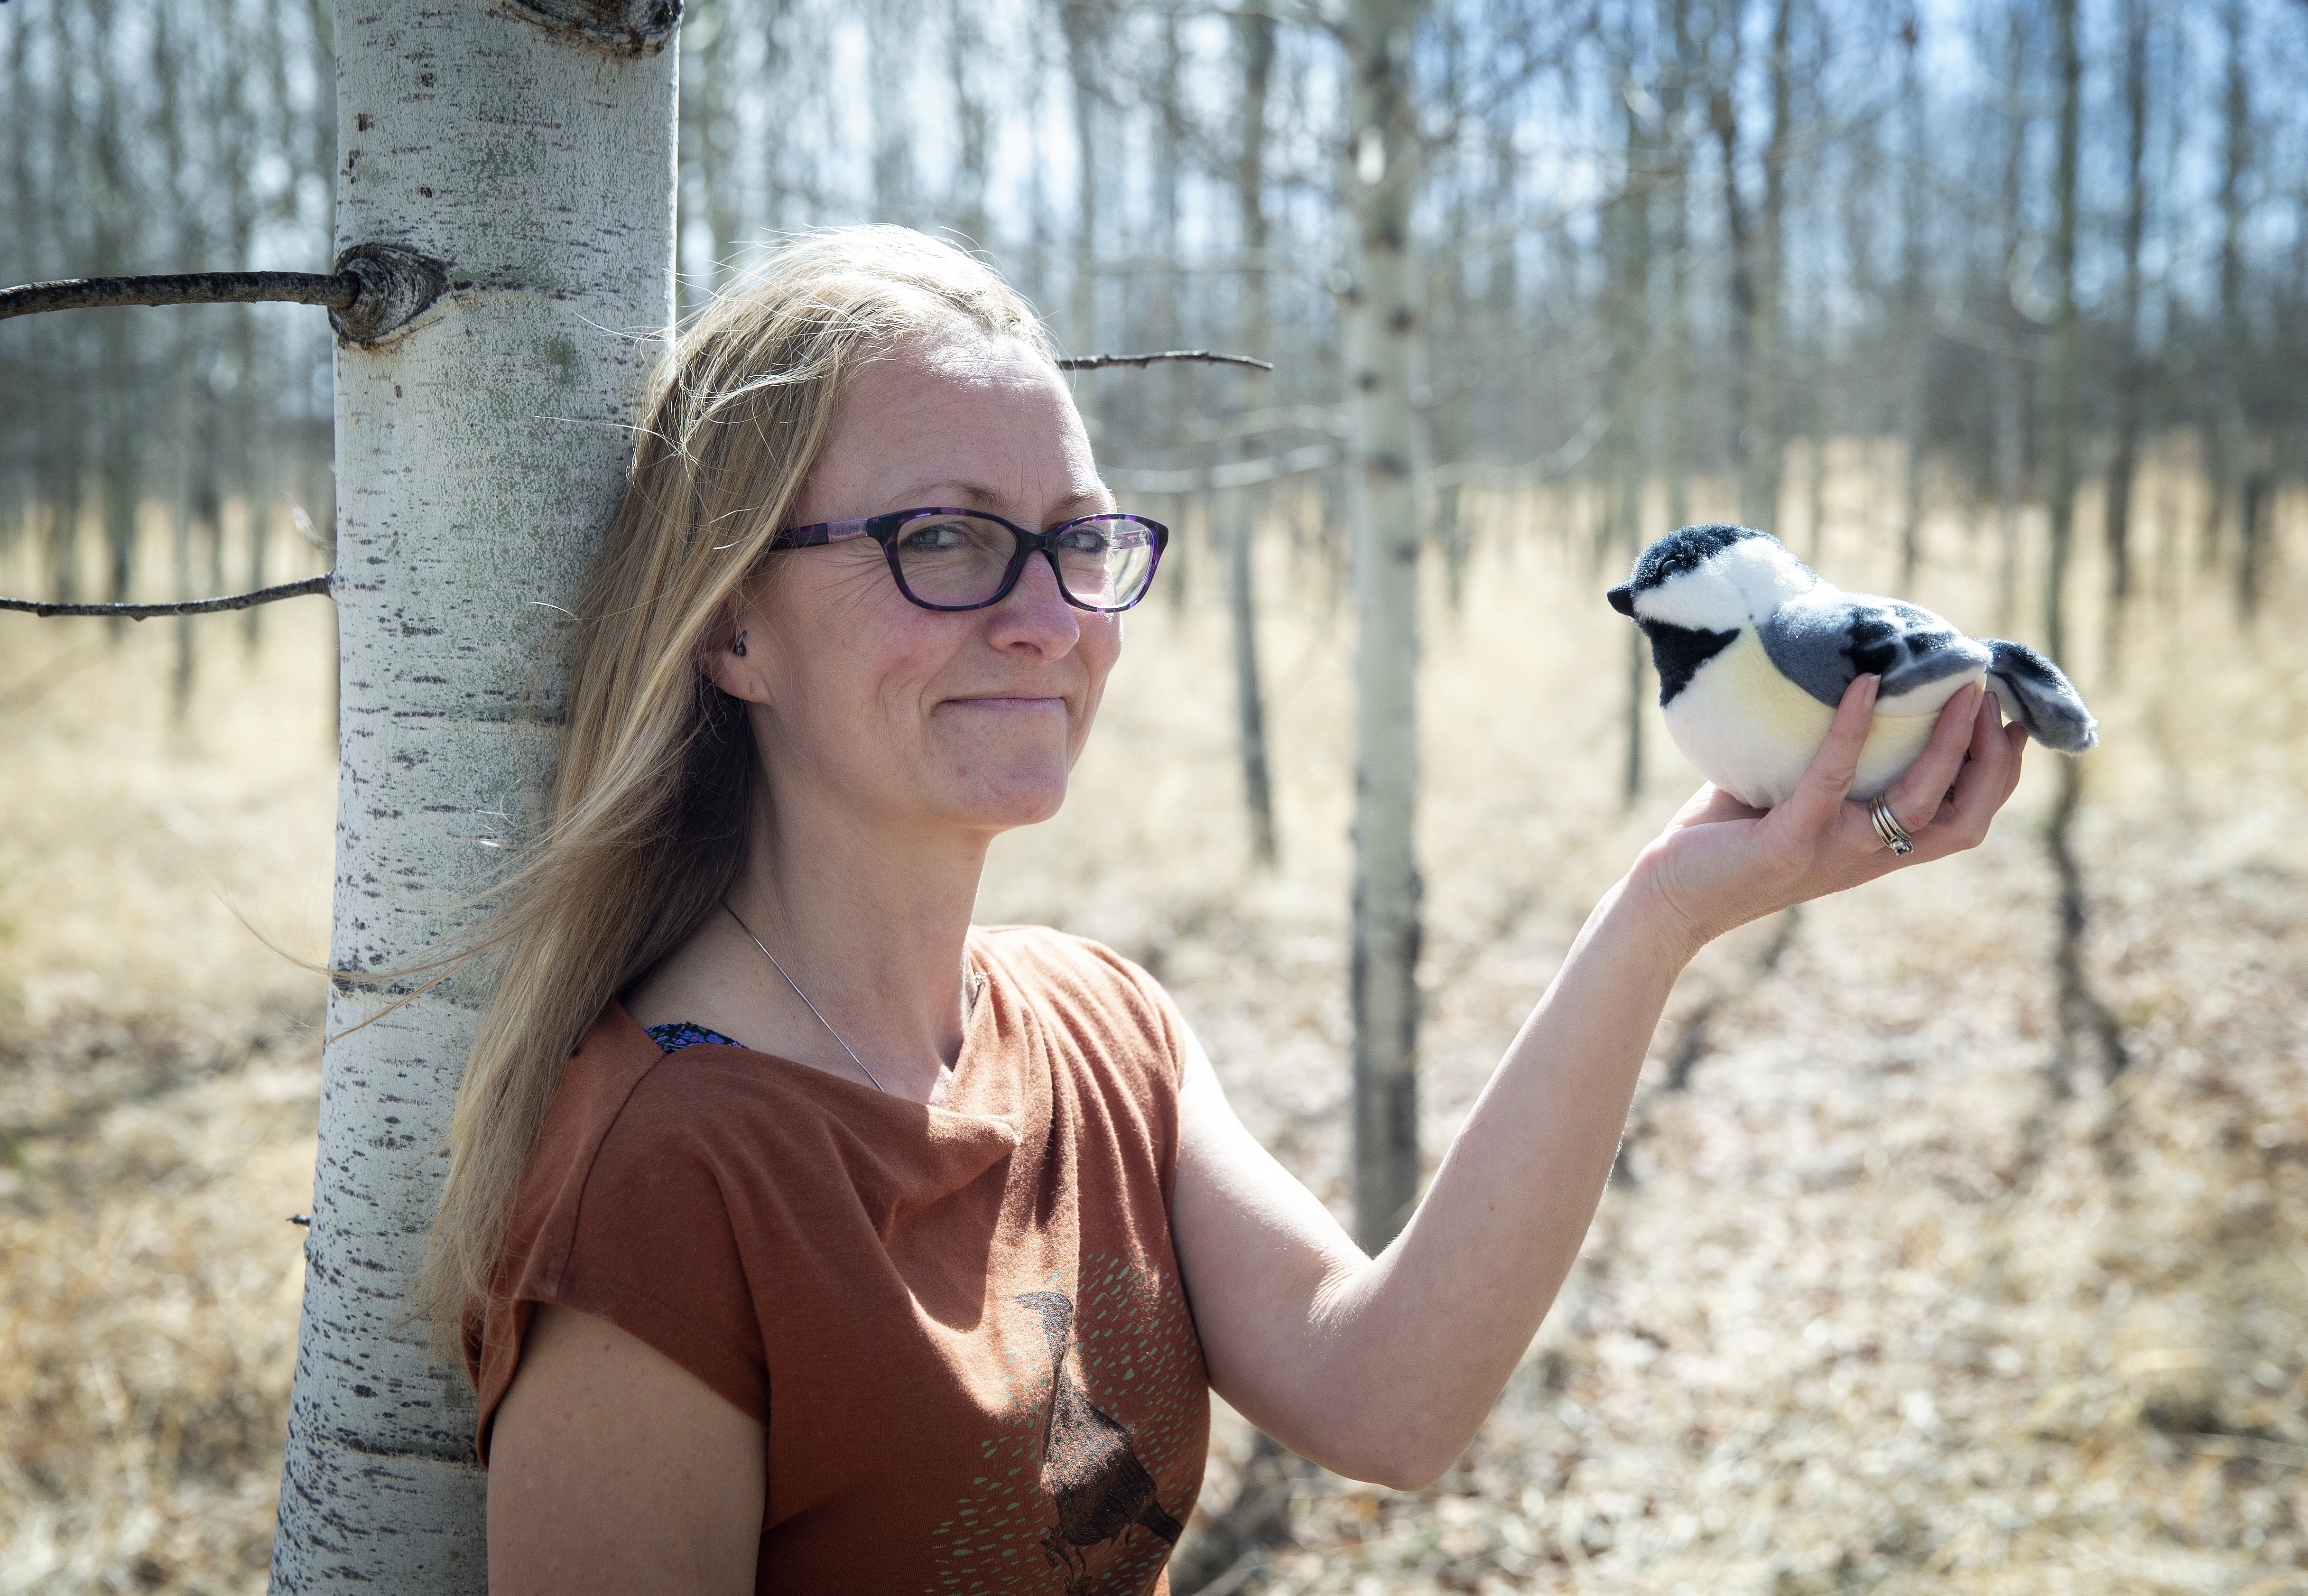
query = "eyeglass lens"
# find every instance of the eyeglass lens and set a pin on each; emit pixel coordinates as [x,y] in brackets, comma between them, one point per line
[956,559]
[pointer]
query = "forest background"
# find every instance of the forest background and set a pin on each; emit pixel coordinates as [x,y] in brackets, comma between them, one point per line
[1961,1240]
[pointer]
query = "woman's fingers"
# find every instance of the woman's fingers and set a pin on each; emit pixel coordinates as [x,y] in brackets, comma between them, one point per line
[1915,799]
[1985,779]
[1818,795]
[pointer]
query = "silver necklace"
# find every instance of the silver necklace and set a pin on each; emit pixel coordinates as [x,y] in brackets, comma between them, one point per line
[975,983]
[807,1004]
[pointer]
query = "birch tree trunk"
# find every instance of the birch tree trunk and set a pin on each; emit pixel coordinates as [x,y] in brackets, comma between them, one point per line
[1239,507]
[1627,266]
[1764,455]
[1914,354]
[1738,231]
[1674,351]
[1382,321]
[2081,1011]
[480,452]
[2131,377]
[2227,431]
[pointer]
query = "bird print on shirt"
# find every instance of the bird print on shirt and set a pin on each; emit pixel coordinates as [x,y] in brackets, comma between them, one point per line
[1100,1487]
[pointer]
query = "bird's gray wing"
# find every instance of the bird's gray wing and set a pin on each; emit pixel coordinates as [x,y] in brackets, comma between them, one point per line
[1822,639]
[2037,693]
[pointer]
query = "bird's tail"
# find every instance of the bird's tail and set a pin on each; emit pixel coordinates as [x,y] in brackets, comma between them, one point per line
[1156,1518]
[2037,693]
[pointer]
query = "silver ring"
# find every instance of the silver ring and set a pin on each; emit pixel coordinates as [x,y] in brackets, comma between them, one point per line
[1888,827]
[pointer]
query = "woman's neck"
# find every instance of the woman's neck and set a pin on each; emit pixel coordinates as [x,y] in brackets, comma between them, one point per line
[871,926]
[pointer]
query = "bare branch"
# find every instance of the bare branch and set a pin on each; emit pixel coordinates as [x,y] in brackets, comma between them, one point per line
[1240,473]
[1100,362]
[189,288]
[1554,463]
[141,612]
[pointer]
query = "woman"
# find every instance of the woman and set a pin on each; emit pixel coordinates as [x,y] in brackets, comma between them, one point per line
[804,1237]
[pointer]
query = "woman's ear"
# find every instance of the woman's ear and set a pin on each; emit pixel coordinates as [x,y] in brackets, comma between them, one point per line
[730,662]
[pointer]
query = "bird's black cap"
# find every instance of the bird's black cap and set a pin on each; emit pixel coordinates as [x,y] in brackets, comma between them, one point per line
[1678,552]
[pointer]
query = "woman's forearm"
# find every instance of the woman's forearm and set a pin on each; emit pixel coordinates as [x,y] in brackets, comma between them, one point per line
[1384,1367]
[1428,1331]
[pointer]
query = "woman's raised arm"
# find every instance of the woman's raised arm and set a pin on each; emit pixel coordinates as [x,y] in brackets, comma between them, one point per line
[1383,1368]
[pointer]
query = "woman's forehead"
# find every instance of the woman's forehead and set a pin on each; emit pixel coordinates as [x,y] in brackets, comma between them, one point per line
[986,419]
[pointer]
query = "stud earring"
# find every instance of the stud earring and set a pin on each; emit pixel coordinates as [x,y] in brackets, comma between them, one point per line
[738,647]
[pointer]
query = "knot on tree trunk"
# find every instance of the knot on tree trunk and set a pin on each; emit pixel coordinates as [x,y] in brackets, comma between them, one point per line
[633,27]
[397,286]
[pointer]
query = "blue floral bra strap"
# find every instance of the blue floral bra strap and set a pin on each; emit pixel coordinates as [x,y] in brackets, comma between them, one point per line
[676,1034]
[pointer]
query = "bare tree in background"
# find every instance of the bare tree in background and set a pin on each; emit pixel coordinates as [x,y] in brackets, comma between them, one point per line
[1764,454]
[1674,336]
[2123,466]
[2225,437]
[2081,1012]
[1083,23]
[1239,508]
[1381,323]
[1913,321]
[1726,57]
[1627,264]
[2011,369]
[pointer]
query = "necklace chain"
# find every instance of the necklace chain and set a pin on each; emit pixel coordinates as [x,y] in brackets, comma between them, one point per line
[976,981]
[807,1004]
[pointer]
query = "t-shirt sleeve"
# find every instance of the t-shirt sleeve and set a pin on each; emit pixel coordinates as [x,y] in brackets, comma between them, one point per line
[621,1215]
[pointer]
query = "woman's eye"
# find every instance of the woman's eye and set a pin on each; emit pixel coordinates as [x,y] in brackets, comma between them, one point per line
[1084,541]
[933,539]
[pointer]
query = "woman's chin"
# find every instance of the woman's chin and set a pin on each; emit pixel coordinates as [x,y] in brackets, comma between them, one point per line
[1023,798]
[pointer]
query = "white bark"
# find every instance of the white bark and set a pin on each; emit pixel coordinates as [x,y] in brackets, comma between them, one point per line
[1238,510]
[1382,320]
[480,454]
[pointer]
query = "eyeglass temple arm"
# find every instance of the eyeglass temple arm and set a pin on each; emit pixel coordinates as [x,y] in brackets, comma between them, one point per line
[823,532]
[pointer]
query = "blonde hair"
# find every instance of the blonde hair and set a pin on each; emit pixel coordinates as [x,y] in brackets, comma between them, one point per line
[647,823]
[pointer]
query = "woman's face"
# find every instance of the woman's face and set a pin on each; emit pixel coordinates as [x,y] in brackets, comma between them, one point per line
[908,717]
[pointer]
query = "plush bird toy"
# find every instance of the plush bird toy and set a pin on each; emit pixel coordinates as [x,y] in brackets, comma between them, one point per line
[1754,650]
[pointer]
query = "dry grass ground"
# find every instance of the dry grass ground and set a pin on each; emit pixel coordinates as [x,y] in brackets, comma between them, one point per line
[1872,1309]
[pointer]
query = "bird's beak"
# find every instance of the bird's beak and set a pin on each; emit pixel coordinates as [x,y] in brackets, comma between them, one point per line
[1623,600]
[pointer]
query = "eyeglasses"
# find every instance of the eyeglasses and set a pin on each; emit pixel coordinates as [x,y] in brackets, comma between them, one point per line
[967,560]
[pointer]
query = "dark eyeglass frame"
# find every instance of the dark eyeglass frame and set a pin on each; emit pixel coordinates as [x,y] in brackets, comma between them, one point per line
[884,529]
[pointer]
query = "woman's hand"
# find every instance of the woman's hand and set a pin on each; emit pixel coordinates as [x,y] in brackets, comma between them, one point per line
[1720,863]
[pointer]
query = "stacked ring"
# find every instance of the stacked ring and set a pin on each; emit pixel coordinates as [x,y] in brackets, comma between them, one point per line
[1888,827]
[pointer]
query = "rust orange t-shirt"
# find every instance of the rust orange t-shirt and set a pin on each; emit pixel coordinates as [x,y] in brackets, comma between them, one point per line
[962,1326]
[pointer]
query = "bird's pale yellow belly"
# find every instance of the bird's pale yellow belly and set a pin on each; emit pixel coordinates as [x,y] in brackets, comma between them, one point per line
[1752,731]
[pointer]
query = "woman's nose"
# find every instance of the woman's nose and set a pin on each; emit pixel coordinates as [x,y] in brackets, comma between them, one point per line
[1034,614]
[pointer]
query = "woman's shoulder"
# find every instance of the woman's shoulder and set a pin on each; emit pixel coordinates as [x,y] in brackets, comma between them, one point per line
[1062,961]
[1094,993]
[624,1093]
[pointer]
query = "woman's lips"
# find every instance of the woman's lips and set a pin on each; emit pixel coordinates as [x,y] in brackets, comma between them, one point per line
[1008,703]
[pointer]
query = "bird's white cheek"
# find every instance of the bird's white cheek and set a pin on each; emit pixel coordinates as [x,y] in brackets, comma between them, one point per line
[1696,603]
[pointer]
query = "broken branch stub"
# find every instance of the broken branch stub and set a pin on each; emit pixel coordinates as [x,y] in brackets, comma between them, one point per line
[397,286]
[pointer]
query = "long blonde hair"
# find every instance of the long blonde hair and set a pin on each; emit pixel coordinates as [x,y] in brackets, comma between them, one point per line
[647,823]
